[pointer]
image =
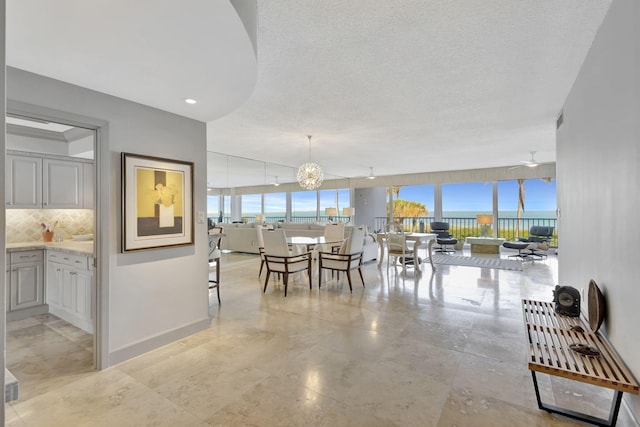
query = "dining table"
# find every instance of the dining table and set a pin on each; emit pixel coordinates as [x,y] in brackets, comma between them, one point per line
[418,239]
[310,243]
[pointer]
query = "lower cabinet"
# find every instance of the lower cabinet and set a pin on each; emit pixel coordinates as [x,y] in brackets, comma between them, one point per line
[70,288]
[25,284]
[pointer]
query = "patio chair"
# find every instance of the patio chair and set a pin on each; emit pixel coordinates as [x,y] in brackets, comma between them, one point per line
[539,237]
[443,238]
[397,247]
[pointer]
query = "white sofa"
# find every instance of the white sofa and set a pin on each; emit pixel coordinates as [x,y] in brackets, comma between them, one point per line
[244,237]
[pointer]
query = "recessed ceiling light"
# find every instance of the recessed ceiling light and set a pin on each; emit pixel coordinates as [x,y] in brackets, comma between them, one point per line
[190,101]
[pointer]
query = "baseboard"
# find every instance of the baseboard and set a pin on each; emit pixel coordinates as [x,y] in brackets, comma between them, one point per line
[627,406]
[144,346]
[27,312]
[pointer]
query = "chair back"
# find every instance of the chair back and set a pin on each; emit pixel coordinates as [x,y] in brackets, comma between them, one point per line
[394,227]
[354,243]
[396,240]
[440,228]
[214,248]
[275,242]
[260,228]
[216,233]
[334,233]
[216,230]
[541,231]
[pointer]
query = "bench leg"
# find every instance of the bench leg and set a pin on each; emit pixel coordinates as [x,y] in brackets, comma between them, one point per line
[613,414]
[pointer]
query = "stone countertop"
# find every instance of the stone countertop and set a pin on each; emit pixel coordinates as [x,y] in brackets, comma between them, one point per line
[68,246]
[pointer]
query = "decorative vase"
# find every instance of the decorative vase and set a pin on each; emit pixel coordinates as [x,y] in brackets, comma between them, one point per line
[166,216]
[47,236]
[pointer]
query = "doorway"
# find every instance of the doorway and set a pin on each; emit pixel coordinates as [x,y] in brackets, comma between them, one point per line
[56,336]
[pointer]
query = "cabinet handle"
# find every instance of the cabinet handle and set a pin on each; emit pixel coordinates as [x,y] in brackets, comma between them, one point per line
[66,259]
[9,203]
[73,273]
[45,203]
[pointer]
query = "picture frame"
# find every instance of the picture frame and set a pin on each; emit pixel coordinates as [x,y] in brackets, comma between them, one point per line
[157,202]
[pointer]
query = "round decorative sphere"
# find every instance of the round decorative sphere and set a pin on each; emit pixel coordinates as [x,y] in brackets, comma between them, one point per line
[310,176]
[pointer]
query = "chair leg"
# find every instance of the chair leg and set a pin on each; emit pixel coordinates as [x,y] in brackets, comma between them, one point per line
[349,279]
[261,265]
[319,277]
[266,281]
[218,292]
[361,278]
[285,279]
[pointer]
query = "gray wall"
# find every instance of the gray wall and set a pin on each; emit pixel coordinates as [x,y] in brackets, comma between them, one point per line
[148,298]
[598,158]
[3,246]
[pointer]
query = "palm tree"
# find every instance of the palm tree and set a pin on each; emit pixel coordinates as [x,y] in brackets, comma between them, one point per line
[521,191]
[409,209]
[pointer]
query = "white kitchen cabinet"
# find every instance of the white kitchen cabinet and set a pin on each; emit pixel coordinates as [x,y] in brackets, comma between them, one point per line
[70,288]
[37,182]
[88,180]
[23,181]
[62,184]
[25,280]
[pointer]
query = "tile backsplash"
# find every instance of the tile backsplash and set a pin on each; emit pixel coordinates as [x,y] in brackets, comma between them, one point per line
[23,225]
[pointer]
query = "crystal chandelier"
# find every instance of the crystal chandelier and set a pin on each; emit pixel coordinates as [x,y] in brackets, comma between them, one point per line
[310,174]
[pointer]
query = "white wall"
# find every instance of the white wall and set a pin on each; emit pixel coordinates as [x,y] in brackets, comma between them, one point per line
[152,297]
[598,158]
[369,203]
[39,145]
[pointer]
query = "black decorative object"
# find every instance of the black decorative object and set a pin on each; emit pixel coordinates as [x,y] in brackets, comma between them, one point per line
[567,300]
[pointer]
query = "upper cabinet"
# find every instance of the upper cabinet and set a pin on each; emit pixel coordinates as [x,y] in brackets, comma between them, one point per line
[23,181]
[50,183]
[62,184]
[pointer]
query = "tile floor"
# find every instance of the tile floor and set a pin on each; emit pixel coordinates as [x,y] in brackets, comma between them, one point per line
[441,349]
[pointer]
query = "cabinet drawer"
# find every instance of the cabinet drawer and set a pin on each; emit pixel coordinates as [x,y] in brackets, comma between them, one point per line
[25,256]
[77,261]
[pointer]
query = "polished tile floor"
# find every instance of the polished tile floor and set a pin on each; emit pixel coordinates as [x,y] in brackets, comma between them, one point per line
[431,349]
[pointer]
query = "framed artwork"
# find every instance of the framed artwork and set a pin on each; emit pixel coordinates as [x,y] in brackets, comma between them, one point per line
[157,202]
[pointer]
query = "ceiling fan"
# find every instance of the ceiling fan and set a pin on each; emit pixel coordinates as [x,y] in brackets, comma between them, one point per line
[531,163]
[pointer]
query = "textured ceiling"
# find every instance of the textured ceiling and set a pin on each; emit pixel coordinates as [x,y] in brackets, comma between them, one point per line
[400,86]
[409,86]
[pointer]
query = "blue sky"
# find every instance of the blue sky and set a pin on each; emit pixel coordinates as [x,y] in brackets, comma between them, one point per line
[477,196]
[470,196]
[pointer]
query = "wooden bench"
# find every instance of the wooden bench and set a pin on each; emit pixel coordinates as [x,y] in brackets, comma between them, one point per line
[550,336]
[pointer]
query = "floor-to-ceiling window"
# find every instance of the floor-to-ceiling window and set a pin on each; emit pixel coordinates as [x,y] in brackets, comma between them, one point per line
[525,203]
[304,206]
[337,199]
[226,210]
[251,206]
[275,207]
[462,203]
[213,208]
[413,205]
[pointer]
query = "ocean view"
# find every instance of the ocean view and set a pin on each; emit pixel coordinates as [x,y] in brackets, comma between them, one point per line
[447,214]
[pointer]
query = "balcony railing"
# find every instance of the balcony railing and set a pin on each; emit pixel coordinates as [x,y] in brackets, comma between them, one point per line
[462,228]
